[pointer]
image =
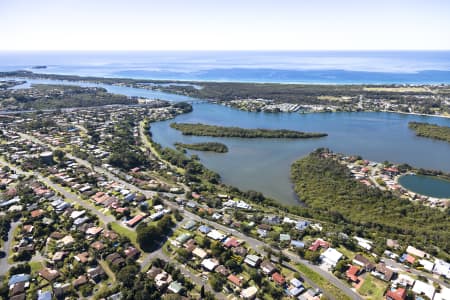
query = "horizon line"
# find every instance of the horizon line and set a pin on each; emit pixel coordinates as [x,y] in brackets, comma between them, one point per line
[224,50]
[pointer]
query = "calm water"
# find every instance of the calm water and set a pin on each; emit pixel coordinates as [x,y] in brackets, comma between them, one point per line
[263,164]
[426,185]
[337,67]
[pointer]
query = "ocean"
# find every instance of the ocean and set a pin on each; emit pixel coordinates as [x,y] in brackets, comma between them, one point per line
[334,67]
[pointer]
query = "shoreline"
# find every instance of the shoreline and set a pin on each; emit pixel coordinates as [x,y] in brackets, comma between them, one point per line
[396,179]
[417,114]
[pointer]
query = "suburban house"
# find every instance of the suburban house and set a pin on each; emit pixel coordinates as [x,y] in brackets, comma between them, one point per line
[252,260]
[331,256]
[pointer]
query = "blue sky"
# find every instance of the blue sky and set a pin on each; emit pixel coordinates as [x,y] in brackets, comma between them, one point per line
[224,25]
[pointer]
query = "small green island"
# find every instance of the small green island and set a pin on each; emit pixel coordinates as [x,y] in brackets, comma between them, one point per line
[208,146]
[432,131]
[222,131]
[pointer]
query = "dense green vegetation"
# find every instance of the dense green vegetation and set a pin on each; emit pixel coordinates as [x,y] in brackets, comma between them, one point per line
[222,131]
[46,96]
[149,236]
[431,130]
[331,193]
[125,154]
[209,146]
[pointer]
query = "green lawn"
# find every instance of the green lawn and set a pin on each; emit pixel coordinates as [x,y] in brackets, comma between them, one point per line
[131,234]
[35,266]
[108,271]
[322,282]
[348,253]
[372,288]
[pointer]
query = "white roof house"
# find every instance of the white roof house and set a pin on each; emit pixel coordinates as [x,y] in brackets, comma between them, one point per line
[442,268]
[427,265]
[77,213]
[416,252]
[252,260]
[249,293]
[199,252]
[216,235]
[331,256]
[421,287]
[444,294]
[210,264]
[364,243]
[404,280]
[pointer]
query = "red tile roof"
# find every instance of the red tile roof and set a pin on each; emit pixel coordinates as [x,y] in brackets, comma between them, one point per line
[411,259]
[232,242]
[317,244]
[234,279]
[278,278]
[37,213]
[399,294]
[352,273]
[135,220]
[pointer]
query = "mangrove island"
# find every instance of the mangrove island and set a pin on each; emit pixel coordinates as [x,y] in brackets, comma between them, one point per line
[222,131]
[208,146]
[432,131]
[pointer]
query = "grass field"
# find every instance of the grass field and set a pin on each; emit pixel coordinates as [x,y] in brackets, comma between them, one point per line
[35,266]
[372,288]
[108,271]
[131,234]
[322,282]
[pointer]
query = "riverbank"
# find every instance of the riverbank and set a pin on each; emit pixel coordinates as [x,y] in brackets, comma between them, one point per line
[329,188]
[287,97]
[208,146]
[432,131]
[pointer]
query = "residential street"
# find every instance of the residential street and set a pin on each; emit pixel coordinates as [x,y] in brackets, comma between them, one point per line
[258,246]
[4,265]
[399,266]
[253,243]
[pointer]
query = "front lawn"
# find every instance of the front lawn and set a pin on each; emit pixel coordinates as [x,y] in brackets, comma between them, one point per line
[372,288]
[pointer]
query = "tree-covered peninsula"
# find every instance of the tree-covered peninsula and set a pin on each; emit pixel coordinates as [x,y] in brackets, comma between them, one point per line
[330,191]
[208,146]
[432,131]
[222,131]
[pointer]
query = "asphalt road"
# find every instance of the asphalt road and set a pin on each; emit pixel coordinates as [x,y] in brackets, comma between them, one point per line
[4,265]
[253,243]
[393,264]
[105,219]
[258,246]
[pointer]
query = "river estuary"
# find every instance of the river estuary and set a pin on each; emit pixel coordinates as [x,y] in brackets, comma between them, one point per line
[263,164]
